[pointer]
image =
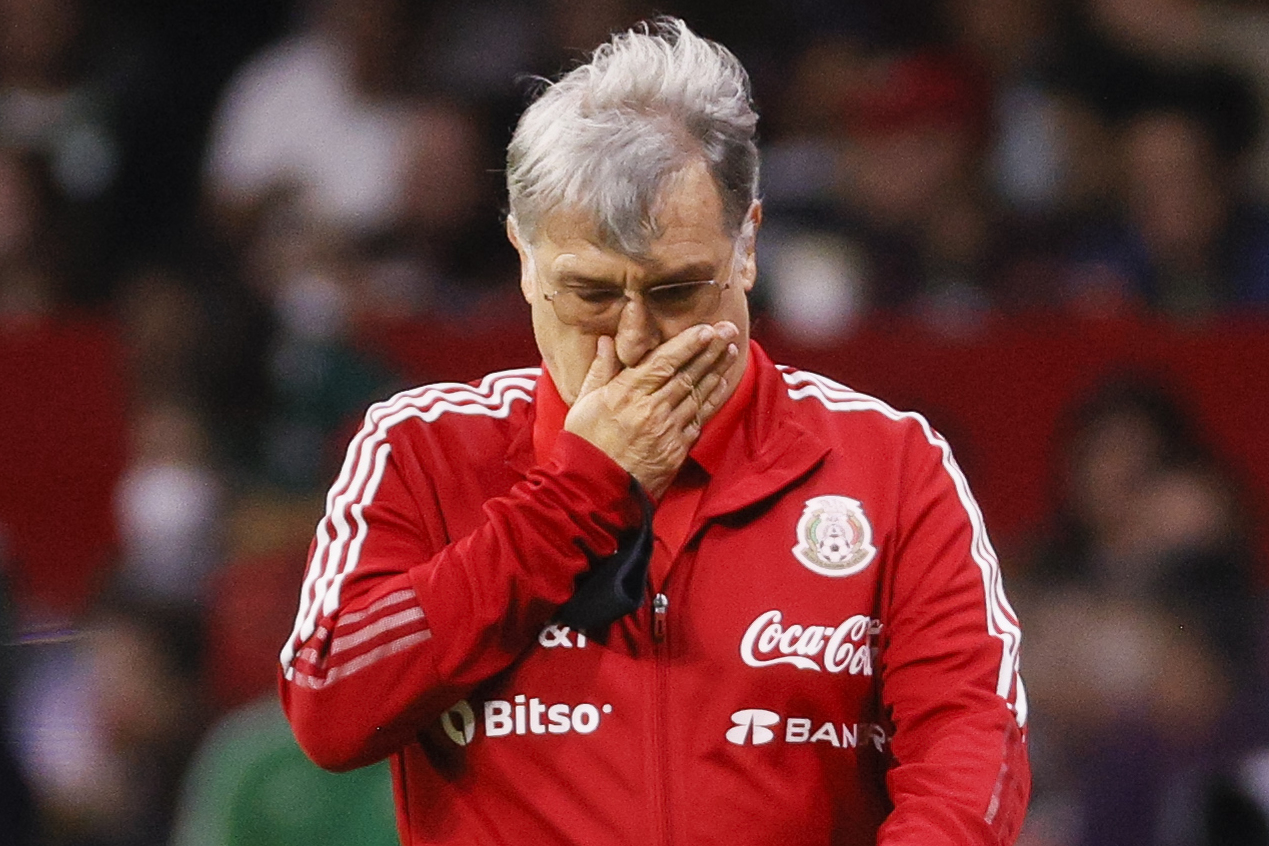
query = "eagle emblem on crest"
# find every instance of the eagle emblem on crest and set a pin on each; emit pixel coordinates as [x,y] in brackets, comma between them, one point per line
[834,536]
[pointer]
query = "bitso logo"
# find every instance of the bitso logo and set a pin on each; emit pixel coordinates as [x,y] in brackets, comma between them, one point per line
[519,716]
[834,536]
[752,725]
[459,722]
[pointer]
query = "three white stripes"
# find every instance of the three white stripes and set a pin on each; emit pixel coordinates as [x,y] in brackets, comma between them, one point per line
[359,479]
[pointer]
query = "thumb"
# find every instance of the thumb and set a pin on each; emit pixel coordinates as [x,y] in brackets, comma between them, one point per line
[603,368]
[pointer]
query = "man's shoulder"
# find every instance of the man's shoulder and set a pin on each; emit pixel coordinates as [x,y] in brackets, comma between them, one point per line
[494,403]
[843,413]
[816,393]
[863,430]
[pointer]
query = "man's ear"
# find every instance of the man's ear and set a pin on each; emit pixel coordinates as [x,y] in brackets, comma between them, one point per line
[748,245]
[528,278]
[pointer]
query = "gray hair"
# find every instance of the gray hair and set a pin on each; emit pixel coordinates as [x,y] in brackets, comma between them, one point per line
[607,136]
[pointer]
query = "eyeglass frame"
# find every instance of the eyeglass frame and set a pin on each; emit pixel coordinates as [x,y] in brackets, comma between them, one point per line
[628,294]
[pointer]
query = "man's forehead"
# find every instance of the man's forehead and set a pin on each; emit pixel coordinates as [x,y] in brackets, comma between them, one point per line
[568,247]
[574,230]
[586,255]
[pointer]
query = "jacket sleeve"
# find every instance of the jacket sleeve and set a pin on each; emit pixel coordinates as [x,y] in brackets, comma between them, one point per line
[394,626]
[949,667]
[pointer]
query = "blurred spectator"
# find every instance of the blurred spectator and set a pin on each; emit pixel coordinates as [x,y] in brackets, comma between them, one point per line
[319,122]
[1144,618]
[198,338]
[169,507]
[105,723]
[895,144]
[928,175]
[441,254]
[249,602]
[1178,232]
[1224,33]
[386,149]
[305,292]
[816,279]
[1013,40]
[35,246]
[319,381]
[1046,163]
[56,92]
[163,326]
[251,785]
[66,76]
[349,197]
[481,52]
[17,812]
[918,128]
[1121,57]
[1186,244]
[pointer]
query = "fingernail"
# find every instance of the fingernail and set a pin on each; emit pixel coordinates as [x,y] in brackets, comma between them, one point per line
[705,333]
[732,350]
[728,330]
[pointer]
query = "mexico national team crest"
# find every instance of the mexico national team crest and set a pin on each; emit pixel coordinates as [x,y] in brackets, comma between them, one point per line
[834,537]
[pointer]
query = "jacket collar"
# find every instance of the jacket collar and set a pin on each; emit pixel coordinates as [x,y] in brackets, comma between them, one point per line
[770,452]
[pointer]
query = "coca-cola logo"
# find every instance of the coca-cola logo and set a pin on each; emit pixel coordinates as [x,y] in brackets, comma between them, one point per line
[845,648]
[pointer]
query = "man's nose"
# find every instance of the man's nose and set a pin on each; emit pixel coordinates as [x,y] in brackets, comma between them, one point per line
[637,332]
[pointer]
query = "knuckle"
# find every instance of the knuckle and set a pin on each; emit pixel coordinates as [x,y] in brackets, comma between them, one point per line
[658,418]
[662,369]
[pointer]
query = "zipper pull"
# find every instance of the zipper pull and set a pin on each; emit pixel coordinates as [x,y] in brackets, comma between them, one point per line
[660,604]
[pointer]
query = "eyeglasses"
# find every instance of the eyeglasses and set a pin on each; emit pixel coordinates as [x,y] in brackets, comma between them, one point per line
[599,308]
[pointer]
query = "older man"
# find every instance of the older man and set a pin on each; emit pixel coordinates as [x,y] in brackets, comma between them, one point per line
[659,590]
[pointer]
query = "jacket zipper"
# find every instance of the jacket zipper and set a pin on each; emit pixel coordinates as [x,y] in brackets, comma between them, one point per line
[660,604]
[660,715]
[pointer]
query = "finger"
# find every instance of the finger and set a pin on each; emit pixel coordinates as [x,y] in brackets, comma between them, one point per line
[704,384]
[603,368]
[691,416]
[726,327]
[716,358]
[664,362]
[707,396]
[716,396]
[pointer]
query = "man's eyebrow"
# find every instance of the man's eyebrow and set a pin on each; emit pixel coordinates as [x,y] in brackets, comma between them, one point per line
[695,272]
[581,280]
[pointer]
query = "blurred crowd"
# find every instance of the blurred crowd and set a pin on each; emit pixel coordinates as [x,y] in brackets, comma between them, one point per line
[245,188]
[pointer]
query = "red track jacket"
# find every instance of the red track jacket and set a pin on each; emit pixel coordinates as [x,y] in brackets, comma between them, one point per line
[826,655]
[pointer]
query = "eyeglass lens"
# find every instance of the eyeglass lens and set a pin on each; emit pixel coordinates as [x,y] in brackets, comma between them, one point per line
[585,306]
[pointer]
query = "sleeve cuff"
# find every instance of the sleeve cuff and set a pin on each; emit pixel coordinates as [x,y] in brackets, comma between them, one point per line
[609,486]
[613,586]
